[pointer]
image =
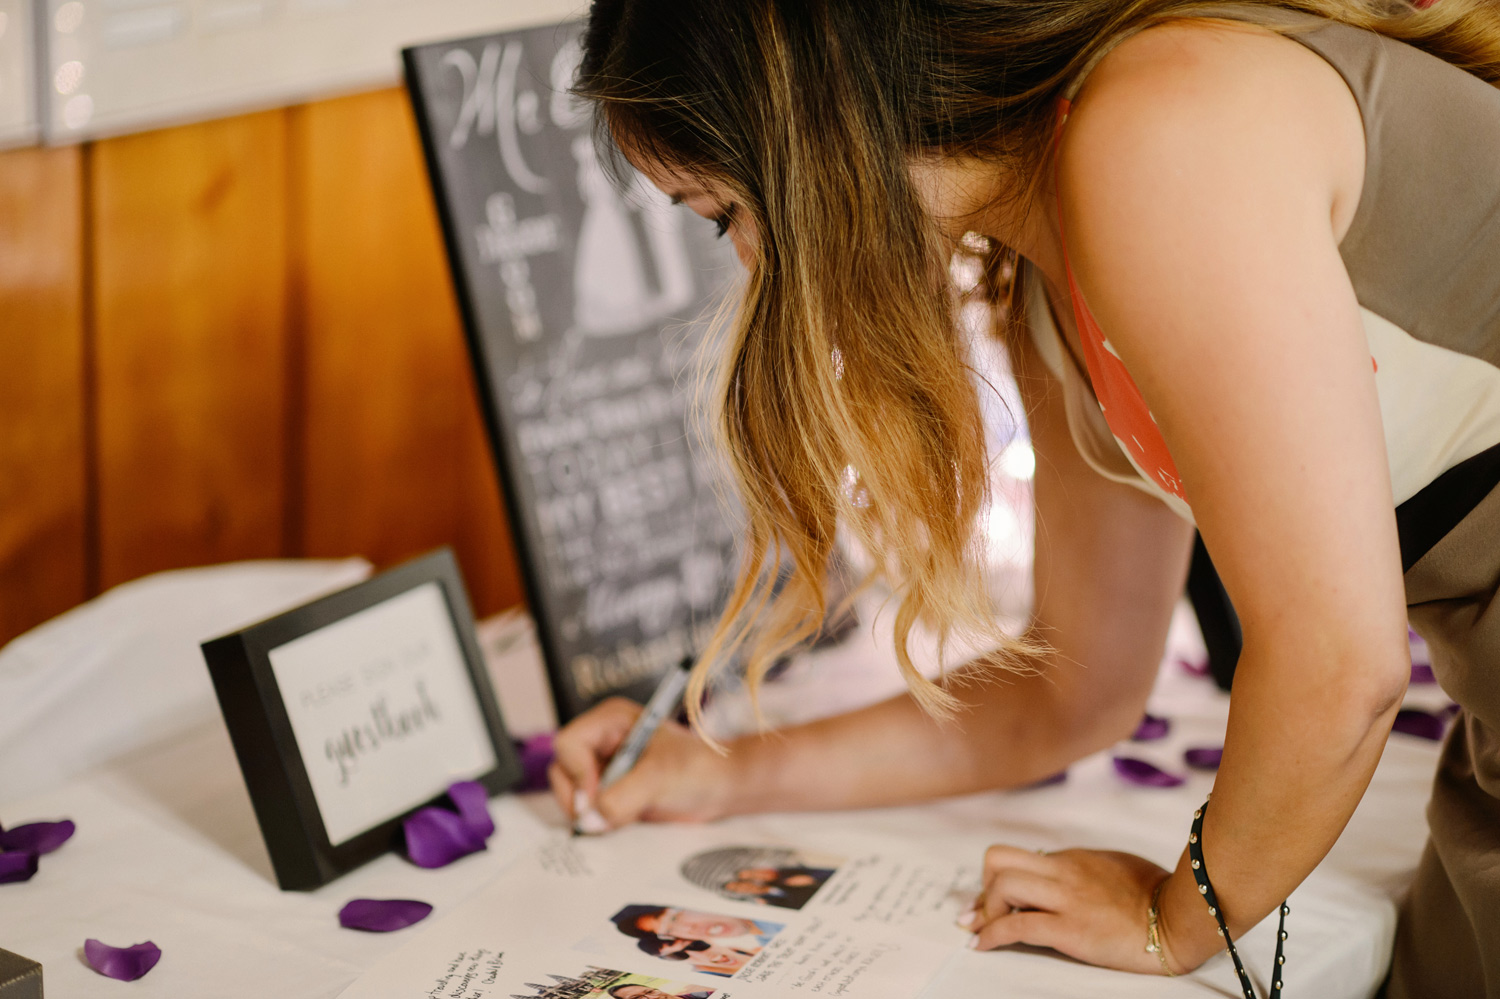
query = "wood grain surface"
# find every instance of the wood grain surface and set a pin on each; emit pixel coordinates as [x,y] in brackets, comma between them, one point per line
[232,340]
[44,567]
[189,268]
[393,460]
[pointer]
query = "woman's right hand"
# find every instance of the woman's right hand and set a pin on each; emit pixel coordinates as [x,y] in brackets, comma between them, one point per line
[678,778]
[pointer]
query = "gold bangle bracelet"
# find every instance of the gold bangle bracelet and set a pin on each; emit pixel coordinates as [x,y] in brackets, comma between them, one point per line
[1153,931]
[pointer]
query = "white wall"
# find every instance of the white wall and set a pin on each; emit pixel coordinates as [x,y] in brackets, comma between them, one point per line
[113,66]
[18,115]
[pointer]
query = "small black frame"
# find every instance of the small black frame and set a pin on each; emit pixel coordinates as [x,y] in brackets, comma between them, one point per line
[262,732]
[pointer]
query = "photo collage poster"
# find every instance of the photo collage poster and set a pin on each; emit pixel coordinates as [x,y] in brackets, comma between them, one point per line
[693,913]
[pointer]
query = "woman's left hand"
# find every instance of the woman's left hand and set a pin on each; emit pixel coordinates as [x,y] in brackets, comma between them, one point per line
[1087,904]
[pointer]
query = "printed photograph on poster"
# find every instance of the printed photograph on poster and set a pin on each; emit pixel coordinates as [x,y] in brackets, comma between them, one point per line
[709,943]
[762,875]
[606,983]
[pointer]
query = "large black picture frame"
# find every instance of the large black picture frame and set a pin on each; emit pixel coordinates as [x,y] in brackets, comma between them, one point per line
[261,729]
[616,601]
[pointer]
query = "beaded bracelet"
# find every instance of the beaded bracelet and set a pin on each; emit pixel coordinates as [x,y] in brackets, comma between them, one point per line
[1200,874]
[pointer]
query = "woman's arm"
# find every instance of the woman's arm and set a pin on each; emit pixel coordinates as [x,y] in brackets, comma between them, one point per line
[1206,176]
[1109,566]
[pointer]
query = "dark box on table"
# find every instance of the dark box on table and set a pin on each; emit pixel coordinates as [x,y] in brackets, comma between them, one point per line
[19,978]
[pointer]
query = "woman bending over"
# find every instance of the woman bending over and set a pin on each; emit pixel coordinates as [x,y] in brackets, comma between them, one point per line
[1259,262]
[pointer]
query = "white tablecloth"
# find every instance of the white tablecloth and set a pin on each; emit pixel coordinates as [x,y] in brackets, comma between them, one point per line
[167,849]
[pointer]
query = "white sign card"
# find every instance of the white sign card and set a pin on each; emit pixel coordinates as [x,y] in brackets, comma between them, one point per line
[352,711]
[373,700]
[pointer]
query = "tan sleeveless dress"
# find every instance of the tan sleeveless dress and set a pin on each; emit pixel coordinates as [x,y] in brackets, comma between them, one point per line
[1423,253]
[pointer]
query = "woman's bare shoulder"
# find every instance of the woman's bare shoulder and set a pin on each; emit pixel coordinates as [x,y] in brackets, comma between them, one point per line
[1188,55]
[1212,101]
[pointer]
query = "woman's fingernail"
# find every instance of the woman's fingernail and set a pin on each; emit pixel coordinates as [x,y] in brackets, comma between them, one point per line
[973,943]
[591,823]
[966,918]
[580,803]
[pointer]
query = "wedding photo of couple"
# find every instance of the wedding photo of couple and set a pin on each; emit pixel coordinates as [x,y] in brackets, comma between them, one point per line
[711,944]
[765,875]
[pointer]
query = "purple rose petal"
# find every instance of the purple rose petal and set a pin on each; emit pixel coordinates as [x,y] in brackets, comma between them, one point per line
[536,757]
[1422,724]
[1204,757]
[473,803]
[123,963]
[436,837]
[1151,728]
[38,837]
[1193,667]
[17,865]
[1422,673]
[1144,774]
[382,915]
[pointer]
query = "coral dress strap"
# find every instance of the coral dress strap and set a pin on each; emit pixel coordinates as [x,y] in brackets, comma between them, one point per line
[1124,407]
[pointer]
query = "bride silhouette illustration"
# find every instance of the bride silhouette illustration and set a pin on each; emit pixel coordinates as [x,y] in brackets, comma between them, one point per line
[632,269]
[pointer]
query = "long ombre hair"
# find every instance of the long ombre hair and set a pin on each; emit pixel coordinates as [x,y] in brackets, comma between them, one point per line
[844,390]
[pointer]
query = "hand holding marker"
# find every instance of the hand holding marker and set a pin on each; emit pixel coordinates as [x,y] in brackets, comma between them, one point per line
[663,704]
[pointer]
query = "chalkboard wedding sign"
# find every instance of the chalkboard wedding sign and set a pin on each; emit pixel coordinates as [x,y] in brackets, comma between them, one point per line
[351,712]
[584,306]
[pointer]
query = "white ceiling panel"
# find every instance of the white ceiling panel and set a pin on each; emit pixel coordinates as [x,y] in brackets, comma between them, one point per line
[18,110]
[114,66]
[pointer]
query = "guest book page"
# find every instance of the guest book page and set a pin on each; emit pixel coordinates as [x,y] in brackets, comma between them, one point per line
[653,912]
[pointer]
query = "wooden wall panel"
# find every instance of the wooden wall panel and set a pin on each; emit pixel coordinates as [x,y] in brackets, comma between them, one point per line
[189,263]
[392,458]
[43,568]
[233,340]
